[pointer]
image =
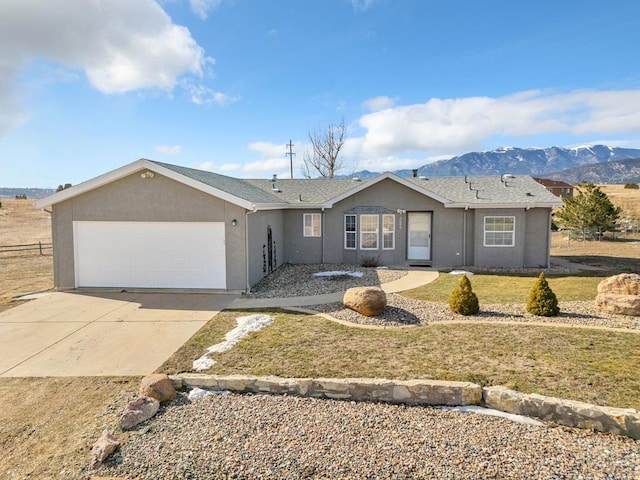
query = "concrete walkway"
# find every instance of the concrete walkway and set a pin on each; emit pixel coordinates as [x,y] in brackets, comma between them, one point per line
[413,279]
[96,334]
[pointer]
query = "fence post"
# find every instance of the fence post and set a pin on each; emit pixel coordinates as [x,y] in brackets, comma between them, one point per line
[40,246]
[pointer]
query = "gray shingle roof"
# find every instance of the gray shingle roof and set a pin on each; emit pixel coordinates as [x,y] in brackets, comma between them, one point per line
[488,189]
[457,191]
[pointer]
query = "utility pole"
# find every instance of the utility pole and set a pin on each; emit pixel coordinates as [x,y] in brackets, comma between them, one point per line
[290,153]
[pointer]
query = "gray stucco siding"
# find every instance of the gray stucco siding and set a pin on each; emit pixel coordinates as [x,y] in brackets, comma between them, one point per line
[258,225]
[446,225]
[301,249]
[530,243]
[136,199]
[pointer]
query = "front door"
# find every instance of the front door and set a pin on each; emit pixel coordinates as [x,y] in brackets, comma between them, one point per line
[419,236]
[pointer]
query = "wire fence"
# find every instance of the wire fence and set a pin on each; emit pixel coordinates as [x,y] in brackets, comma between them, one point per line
[40,247]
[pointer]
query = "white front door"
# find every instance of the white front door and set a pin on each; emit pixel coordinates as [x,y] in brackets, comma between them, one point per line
[419,236]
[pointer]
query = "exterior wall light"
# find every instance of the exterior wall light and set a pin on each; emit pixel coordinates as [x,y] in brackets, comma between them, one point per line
[234,222]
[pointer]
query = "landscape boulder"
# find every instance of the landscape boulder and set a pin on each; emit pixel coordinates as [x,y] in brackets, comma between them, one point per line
[620,294]
[103,447]
[368,301]
[138,411]
[158,386]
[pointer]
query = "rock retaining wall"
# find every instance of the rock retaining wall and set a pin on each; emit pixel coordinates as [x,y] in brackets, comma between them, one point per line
[619,421]
[413,392]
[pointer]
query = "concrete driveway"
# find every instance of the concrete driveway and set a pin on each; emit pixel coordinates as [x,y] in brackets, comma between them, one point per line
[96,334]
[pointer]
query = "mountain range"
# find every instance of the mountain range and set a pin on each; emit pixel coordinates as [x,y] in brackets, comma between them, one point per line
[558,163]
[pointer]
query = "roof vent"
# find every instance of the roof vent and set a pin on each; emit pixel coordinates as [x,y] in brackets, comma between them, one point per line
[506,177]
[355,179]
[277,190]
[422,177]
[275,177]
[529,194]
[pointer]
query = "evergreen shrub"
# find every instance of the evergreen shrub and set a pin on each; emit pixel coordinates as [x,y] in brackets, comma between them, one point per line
[542,301]
[462,300]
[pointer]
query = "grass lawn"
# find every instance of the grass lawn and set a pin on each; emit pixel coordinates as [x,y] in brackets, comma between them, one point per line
[595,366]
[507,288]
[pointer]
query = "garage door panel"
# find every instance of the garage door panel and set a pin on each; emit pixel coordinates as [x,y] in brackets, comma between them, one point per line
[150,254]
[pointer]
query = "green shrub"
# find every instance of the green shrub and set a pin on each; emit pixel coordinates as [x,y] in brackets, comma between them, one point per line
[633,186]
[462,300]
[542,301]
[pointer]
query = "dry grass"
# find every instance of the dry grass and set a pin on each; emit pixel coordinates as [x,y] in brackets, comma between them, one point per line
[28,271]
[585,364]
[627,198]
[613,256]
[47,425]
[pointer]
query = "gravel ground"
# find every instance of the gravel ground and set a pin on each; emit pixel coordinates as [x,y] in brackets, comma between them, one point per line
[281,437]
[402,311]
[297,280]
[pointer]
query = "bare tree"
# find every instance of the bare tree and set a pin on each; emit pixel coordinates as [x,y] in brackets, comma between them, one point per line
[325,150]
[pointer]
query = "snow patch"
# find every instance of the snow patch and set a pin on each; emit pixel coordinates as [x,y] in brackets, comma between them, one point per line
[495,413]
[196,393]
[338,273]
[460,272]
[246,325]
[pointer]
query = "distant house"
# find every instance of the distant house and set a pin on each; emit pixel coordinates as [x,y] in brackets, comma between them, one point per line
[155,225]
[558,188]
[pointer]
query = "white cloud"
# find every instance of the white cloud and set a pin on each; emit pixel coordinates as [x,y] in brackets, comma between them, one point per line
[443,126]
[120,45]
[379,103]
[202,95]
[269,165]
[273,159]
[168,150]
[202,8]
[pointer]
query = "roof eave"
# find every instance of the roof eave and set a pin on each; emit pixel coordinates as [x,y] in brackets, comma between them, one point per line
[504,205]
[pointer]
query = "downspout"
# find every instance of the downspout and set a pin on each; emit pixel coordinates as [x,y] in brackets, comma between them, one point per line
[464,235]
[246,248]
[322,234]
[549,240]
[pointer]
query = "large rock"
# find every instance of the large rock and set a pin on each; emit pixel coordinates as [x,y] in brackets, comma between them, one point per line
[138,411]
[158,386]
[620,294]
[103,447]
[368,301]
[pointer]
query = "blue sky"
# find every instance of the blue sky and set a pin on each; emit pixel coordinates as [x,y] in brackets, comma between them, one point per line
[87,86]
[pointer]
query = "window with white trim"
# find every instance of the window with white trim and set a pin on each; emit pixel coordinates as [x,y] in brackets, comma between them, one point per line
[499,231]
[388,232]
[312,224]
[350,232]
[369,226]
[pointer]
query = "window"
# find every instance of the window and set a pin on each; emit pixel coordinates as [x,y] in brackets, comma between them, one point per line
[388,232]
[312,222]
[369,232]
[499,231]
[350,232]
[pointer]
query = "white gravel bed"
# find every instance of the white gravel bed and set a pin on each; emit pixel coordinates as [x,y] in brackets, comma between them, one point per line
[283,437]
[299,280]
[402,311]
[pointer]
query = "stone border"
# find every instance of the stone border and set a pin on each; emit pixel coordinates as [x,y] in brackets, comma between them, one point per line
[571,413]
[618,421]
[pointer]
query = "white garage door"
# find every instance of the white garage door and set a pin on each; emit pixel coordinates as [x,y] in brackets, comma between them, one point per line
[149,254]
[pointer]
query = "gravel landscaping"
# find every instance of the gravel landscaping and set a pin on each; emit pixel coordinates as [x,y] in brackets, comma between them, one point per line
[280,437]
[402,311]
[298,280]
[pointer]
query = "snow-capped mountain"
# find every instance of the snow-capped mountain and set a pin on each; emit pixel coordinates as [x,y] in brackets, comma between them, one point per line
[523,161]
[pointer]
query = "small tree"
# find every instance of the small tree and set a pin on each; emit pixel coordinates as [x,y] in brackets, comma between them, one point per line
[633,186]
[588,211]
[462,300]
[542,301]
[325,150]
